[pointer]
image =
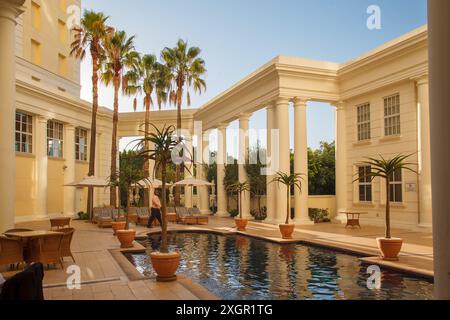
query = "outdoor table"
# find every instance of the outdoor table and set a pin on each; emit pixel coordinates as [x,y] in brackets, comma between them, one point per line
[26,235]
[353,218]
[60,222]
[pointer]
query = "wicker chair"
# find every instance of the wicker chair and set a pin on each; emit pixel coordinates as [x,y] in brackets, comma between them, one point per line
[184,216]
[171,215]
[143,216]
[46,250]
[60,223]
[11,251]
[66,242]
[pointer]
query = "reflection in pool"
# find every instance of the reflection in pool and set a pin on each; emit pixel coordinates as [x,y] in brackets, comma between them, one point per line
[237,267]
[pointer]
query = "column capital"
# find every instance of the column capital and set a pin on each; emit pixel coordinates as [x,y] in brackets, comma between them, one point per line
[420,81]
[42,118]
[339,105]
[11,9]
[300,101]
[281,101]
[222,126]
[245,116]
[69,126]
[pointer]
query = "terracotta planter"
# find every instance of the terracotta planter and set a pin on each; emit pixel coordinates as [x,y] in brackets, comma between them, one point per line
[126,238]
[118,225]
[287,230]
[165,265]
[390,248]
[241,224]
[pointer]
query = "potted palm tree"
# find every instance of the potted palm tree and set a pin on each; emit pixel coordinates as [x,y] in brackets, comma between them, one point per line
[385,169]
[240,188]
[165,143]
[126,178]
[293,180]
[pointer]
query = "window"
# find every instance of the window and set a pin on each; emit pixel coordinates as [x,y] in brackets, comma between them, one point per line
[363,118]
[35,52]
[55,139]
[365,184]
[62,32]
[392,115]
[62,65]
[36,15]
[24,132]
[80,144]
[395,192]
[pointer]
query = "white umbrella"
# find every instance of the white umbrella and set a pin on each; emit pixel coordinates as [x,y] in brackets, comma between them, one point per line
[150,183]
[89,182]
[193,182]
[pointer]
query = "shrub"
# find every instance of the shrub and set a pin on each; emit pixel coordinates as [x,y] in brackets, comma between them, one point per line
[83,215]
[234,213]
[319,215]
[259,215]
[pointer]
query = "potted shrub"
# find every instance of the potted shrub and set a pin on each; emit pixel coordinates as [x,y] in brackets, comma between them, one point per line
[385,169]
[291,181]
[165,142]
[240,188]
[128,176]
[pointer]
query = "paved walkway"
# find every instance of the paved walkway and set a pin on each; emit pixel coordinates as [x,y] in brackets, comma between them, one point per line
[107,275]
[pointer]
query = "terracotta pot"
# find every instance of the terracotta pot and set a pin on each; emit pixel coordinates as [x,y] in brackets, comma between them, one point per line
[390,248]
[118,225]
[287,230]
[165,265]
[241,224]
[126,238]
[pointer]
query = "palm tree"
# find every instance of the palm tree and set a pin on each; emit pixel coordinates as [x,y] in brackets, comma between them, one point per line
[120,56]
[148,78]
[386,170]
[90,35]
[164,142]
[291,181]
[186,71]
[240,188]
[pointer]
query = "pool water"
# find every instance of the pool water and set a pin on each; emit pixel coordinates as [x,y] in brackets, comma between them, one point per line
[237,267]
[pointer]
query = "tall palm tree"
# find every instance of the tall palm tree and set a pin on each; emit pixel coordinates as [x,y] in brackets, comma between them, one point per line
[120,56]
[186,72]
[90,35]
[149,78]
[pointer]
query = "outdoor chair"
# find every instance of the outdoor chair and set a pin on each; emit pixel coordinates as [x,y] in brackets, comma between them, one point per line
[171,215]
[66,243]
[60,223]
[143,215]
[201,219]
[11,252]
[184,216]
[46,250]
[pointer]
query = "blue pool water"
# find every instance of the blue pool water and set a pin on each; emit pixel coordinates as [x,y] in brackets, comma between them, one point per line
[237,267]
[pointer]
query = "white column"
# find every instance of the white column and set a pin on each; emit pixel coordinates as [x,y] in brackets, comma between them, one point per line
[272,163]
[301,162]
[423,106]
[439,51]
[69,170]
[282,116]
[244,144]
[188,174]
[40,147]
[203,192]
[221,161]
[9,10]
[341,162]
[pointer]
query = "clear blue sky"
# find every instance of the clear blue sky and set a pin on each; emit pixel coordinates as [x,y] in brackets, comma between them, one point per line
[238,36]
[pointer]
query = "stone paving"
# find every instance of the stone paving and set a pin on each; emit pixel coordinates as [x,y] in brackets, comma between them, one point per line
[105,277]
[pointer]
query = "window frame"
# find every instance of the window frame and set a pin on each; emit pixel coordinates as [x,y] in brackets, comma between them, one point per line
[366,183]
[78,145]
[25,137]
[392,119]
[393,183]
[363,122]
[55,142]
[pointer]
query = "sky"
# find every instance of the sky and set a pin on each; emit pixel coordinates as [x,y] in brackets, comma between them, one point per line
[239,36]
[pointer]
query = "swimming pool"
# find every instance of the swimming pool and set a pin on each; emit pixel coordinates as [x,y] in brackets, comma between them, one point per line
[238,267]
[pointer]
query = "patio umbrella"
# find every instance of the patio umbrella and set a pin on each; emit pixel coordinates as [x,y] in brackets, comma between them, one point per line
[94,182]
[89,182]
[193,182]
